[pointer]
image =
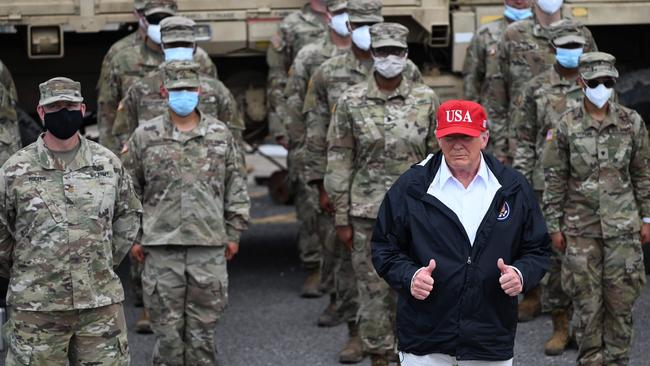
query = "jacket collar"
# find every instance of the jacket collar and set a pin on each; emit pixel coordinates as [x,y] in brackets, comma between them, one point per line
[402,91]
[48,161]
[170,132]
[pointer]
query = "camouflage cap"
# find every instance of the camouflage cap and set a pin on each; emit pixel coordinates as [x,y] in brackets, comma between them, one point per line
[58,89]
[569,39]
[138,4]
[597,64]
[336,5]
[563,33]
[177,29]
[160,6]
[365,11]
[388,34]
[180,74]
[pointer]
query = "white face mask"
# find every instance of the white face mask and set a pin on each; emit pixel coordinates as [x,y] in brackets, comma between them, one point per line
[598,95]
[549,6]
[390,66]
[339,23]
[153,32]
[361,37]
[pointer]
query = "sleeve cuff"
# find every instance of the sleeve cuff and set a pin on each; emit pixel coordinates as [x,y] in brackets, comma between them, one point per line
[521,277]
[553,225]
[341,219]
[233,235]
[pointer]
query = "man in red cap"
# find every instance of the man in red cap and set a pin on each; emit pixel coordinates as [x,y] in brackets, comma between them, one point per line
[459,236]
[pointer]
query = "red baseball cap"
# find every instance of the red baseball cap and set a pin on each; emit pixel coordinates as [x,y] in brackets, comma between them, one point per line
[461,116]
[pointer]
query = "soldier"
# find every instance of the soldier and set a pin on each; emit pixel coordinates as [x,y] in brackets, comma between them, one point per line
[315,251]
[524,51]
[192,160]
[128,41]
[481,55]
[135,62]
[380,127]
[144,101]
[8,82]
[296,30]
[597,200]
[69,215]
[9,132]
[544,99]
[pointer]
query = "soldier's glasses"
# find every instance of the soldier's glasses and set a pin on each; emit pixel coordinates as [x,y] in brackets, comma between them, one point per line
[388,51]
[593,83]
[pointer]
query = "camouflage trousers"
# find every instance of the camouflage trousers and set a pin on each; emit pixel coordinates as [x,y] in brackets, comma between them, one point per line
[553,296]
[135,275]
[377,301]
[337,273]
[309,240]
[88,337]
[604,278]
[185,292]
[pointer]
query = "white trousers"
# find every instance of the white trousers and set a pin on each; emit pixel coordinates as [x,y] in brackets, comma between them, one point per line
[439,359]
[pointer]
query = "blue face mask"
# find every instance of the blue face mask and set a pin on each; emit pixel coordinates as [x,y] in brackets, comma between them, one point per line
[183,102]
[179,54]
[568,57]
[517,14]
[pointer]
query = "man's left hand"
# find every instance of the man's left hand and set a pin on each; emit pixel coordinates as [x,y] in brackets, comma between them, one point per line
[232,248]
[645,233]
[509,280]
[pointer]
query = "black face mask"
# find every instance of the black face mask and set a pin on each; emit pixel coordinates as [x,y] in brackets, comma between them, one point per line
[63,124]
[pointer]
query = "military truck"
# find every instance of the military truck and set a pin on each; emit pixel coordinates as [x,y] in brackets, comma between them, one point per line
[42,38]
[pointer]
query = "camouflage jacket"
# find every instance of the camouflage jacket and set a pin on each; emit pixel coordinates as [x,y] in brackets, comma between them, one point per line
[144,102]
[191,183]
[65,229]
[372,140]
[481,59]
[327,84]
[524,51]
[597,174]
[128,65]
[127,41]
[9,131]
[296,30]
[544,99]
[8,82]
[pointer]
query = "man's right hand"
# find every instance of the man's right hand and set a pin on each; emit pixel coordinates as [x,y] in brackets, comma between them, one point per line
[137,252]
[422,283]
[558,241]
[344,234]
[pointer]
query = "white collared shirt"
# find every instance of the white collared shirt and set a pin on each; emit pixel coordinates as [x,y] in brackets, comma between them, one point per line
[469,204]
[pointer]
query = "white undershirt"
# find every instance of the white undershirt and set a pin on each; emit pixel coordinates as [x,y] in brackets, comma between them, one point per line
[469,204]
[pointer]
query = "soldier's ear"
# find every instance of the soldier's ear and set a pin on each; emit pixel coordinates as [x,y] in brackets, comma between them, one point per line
[41,112]
[163,92]
[83,109]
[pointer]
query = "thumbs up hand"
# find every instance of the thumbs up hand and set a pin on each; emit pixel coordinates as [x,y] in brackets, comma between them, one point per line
[509,280]
[422,282]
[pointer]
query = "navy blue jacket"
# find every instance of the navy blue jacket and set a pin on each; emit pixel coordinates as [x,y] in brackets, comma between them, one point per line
[467,314]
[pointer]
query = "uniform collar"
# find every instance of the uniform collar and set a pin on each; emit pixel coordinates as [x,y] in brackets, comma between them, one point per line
[356,64]
[82,159]
[402,91]
[483,175]
[557,79]
[150,57]
[172,133]
[610,119]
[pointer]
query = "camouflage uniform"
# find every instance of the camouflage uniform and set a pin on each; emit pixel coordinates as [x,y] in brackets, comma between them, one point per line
[523,52]
[8,82]
[65,227]
[296,30]
[9,132]
[481,59]
[373,138]
[597,191]
[130,64]
[543,100]
[184,234]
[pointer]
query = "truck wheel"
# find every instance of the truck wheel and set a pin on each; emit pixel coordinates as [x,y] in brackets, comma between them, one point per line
[634,92]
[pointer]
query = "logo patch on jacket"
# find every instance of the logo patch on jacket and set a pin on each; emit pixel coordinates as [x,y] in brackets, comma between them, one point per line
[504,213]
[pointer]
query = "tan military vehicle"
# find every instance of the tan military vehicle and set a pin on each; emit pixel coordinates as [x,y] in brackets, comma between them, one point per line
[43,38]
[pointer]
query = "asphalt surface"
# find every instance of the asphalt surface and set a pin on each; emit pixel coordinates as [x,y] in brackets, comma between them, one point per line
[268,324]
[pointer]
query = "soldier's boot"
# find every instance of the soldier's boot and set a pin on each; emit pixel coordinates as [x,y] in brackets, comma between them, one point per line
[378,360]
[143,325]
[352,352]
[330,317]
[530,307]
[560,338]
[311,287]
